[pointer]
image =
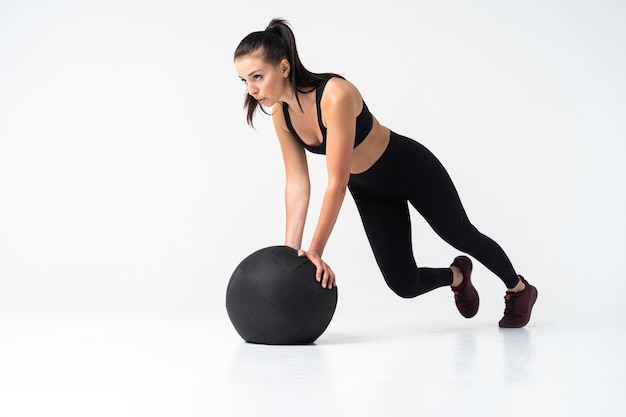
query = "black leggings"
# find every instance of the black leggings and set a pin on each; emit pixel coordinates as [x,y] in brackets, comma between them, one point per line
[408,172]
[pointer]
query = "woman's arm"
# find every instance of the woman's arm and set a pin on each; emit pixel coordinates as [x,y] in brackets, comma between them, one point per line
[339,109]
[297,183]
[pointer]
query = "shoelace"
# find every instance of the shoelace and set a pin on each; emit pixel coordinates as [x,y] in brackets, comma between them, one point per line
[461,296]
[509,305]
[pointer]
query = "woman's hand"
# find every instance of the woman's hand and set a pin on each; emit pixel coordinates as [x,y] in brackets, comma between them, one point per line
[323,273]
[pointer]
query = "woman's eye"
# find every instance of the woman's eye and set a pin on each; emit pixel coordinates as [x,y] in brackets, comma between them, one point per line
[257,77]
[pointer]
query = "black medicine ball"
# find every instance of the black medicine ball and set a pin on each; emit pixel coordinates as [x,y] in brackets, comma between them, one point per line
[273,298]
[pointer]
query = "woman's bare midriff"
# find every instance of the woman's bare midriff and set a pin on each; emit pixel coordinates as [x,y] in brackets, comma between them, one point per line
[372,147]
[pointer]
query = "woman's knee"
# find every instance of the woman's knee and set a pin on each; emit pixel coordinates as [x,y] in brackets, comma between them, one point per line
[410,284]
[406,286]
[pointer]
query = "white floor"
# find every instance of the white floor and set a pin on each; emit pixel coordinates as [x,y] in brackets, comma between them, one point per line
[385,357]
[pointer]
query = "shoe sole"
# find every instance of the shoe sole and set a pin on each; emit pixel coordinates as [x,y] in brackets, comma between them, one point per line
[456,262]
[473,313]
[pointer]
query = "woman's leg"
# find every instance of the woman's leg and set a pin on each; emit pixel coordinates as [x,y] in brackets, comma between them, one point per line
[433,194]
[388,228]
[409,171]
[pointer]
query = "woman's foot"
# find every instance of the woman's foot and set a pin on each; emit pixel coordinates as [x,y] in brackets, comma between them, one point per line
[465,295]
[518,304]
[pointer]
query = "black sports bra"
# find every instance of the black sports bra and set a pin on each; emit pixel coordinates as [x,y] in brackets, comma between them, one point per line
[364,122]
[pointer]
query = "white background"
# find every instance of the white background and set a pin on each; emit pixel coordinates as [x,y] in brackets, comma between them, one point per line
[131,186]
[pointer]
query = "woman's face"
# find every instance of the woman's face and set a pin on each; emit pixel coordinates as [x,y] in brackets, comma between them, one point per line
[265,82]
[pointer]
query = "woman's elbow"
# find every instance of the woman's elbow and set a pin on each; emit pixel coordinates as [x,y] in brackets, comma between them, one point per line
[338,185]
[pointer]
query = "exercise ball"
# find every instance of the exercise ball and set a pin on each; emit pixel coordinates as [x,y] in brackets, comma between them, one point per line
[273,298]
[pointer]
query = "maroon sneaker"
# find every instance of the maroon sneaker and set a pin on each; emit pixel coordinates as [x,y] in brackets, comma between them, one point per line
[465,295]
[518,306]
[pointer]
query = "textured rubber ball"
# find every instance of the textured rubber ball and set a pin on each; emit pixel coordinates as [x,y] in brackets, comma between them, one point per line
[273,298]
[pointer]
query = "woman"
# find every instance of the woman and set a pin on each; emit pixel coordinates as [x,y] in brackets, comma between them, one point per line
[384,171]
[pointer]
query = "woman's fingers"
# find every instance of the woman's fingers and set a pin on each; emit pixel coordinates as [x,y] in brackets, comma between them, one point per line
[323,273]
[328,280]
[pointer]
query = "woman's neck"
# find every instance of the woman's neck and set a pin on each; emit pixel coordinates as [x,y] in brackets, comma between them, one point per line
[306,100]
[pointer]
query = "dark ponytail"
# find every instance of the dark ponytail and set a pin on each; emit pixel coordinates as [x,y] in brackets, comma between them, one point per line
[276,43]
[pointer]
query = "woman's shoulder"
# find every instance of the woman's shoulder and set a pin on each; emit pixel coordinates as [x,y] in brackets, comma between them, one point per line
[339,89]
[340,83]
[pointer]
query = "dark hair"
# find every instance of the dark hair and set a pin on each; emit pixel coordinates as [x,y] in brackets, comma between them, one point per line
[276,43]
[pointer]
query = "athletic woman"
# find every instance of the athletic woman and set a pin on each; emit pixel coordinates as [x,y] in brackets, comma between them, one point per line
[384,171]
